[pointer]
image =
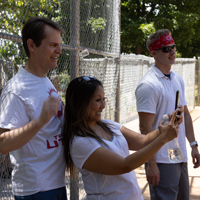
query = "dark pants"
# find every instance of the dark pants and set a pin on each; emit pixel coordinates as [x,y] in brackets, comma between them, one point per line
[174,182]
[57,194]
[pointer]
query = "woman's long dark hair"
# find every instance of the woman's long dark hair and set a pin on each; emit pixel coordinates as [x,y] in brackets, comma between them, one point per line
[78,97]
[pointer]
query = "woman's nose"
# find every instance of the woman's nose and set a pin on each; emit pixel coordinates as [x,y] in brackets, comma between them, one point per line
[103,104]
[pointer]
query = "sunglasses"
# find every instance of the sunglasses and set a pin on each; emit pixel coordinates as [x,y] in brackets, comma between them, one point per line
[168,49]
[85,79]
[88,78]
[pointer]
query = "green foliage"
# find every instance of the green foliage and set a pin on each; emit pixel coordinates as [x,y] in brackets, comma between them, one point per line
[97,24]
[179,16]
[64,80]
[147,29]
[13,15]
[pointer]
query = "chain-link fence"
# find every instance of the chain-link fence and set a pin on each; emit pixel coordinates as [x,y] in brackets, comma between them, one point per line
[132,69]
[197,83]
[91,27]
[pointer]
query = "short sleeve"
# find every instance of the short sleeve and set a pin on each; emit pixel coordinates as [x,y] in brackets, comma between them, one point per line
[183,89]
[12,112]
[146,98]
[81,149]
[112,125]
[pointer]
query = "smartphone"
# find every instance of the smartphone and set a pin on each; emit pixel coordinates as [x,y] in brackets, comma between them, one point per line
[177,99]
[177,103]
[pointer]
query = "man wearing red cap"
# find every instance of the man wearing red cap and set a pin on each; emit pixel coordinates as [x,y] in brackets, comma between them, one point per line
[156,94]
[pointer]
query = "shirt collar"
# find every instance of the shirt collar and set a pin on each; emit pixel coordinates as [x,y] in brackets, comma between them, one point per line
[159,74]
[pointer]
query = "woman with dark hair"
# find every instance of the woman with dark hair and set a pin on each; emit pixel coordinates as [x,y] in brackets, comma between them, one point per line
[99,149]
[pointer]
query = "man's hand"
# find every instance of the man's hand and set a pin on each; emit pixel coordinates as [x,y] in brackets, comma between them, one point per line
[195,156]
[153,173]
[179,116]
[50,108]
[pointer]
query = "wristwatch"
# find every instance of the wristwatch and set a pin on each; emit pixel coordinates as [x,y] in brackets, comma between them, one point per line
[194,143]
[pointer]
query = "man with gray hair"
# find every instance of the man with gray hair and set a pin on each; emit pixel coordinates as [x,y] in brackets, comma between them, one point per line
[155,96]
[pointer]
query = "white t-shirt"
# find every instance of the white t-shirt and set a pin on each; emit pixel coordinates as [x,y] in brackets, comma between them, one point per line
[156,94]
[39,165]
[104,187]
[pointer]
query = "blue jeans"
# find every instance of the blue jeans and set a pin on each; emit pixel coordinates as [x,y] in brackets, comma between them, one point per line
[57,194]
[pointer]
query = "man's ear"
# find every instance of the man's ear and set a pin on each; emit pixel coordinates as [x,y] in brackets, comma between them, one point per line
[31,45]
[153,53]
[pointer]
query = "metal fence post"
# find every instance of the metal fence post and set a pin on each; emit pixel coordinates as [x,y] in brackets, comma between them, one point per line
[117,109]
[1,76]
[74,72]
[198,82]
[74,186]
[75,37]
[118,62]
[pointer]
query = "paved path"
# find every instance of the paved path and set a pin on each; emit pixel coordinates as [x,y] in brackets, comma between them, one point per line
[194,174]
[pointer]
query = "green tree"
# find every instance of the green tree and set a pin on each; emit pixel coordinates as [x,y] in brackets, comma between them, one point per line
[181,17]
[13,15]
